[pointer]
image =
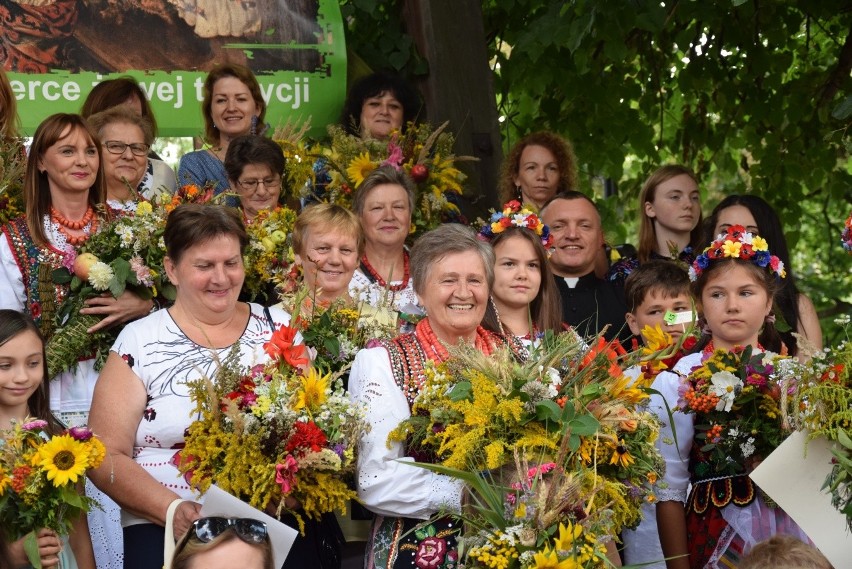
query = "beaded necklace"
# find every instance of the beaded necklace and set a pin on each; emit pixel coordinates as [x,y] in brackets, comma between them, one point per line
[88,223]
[374,275]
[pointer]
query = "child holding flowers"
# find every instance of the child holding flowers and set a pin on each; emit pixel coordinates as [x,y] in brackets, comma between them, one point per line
[24,396]
[726,418]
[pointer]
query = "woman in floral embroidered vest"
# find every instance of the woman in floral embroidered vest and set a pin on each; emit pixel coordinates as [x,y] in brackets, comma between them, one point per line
[452,273]
[63,188]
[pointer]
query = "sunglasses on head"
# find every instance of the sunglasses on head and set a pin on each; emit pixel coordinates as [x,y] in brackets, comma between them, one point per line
[248,529]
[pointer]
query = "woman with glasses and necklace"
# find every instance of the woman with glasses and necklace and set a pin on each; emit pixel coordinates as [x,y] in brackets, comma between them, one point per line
[255,168]
[224,543]
[126,138]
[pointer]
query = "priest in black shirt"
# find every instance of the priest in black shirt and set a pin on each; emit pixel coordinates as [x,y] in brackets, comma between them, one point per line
[588,303]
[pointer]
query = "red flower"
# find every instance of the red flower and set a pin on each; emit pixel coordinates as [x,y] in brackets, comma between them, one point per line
[430,553]
[506,221]
[282,346]
[35,310]
[306,436]
[514,205]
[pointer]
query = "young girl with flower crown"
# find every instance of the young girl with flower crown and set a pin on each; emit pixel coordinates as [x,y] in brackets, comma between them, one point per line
[23,394]
[524,299]
[724,420]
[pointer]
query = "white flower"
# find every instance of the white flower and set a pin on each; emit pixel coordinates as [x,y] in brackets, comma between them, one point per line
[100,274]
[747,447]
[843,320]
[126,235]
[725,386]
[733,433]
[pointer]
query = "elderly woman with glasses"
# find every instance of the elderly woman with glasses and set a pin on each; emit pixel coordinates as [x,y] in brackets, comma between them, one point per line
[126,138]
[255,167]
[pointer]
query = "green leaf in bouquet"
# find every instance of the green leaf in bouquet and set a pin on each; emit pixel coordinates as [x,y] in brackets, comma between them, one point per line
[548,410]
[62,276]
[460,391]
[71,498]
[122,270]
[584,425]
[76,283]
[31,549]
[844,439]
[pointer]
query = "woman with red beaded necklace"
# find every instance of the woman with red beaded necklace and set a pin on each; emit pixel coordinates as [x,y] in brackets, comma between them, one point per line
[384,202]
[63,189]
[452,273]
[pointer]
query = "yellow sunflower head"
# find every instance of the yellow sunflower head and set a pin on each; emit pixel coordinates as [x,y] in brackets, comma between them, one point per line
[360,168]
[313,390]
[63,459]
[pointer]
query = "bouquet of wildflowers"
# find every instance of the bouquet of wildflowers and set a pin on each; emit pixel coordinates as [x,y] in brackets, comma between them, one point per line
[13,166]
[736,398]
[572,413]
[269,256]
[39,476]
[276,431]
[126,254]
[422,151]
[188,193]
[822,405]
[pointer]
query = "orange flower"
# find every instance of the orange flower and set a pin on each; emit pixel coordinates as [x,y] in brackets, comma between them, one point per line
[610,350]
[282,346]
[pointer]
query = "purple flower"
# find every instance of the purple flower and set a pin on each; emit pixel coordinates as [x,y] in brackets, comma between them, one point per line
[81,434]
[34,425]
[339,449]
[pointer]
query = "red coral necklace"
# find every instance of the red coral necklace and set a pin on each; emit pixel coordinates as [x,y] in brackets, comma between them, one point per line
[64,224]
[374,275]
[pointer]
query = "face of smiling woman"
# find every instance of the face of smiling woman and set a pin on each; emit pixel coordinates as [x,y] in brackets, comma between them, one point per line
[455,295]
[208,277]
[328,260]
[71,164]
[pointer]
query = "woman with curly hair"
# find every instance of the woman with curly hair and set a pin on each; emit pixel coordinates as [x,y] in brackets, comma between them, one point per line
[538,167]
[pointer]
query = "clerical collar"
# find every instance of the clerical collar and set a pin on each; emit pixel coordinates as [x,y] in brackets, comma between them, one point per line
[571,281]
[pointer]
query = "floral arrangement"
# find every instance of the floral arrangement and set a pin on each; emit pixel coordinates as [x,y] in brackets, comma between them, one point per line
[39,476]
[737,243]
[736,398]
[126,254]
[269,257]
[334,332]
[846,236]
[822,405]
[188,193]
[514,214]
[298,161]
[557,452]
[13,166]
[660,352]
[422,151]
[276,435]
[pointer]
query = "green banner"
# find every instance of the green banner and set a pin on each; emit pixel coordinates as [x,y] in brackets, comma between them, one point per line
[57,51]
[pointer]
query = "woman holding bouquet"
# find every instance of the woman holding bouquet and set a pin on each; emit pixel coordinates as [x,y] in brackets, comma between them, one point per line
[726,417]
[142,404]
[384,202]
[452,272]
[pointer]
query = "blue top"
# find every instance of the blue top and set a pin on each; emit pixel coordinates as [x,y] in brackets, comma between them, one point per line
[200,167]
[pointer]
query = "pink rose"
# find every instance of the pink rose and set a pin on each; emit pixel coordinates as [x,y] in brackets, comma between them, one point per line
[431,553]
[285,474]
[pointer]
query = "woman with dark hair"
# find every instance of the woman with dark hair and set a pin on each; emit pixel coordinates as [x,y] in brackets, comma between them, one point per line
[377,104]
[232,106]
[758,217]
[538,167]
[255,167]
[141,406]
[524,299]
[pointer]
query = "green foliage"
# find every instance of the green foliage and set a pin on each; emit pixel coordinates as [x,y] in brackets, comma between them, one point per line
[377,38]
[756,97]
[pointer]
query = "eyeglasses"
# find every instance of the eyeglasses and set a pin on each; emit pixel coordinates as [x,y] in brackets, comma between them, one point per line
[117,147]
[251,185]
[248,529]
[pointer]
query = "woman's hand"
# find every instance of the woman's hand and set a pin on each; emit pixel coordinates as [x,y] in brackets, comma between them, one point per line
[185,514]
[126,307]
[49,547]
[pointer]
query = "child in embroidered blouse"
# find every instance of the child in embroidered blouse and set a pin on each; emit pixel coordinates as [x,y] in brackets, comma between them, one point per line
[24,393]
[734,281]
[651,291]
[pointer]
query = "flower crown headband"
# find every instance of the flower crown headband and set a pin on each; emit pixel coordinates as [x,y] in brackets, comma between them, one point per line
[515,215]
[737,243]
[846,236]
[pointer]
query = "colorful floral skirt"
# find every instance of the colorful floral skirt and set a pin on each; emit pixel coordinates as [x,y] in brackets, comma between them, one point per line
[725,518]
[398,543]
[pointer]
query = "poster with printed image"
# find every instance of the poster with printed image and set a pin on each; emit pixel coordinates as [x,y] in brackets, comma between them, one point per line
[55,51]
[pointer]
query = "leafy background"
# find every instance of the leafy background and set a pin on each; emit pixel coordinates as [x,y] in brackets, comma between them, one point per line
[755,96]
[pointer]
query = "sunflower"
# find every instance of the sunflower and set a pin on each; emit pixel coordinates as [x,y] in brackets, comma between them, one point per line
[360,168]
[63,459]
[313,392]
[621,455]
[549,559]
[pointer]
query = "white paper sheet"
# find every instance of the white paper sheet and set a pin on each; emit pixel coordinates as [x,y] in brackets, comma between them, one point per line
[793,480]
[217,502]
